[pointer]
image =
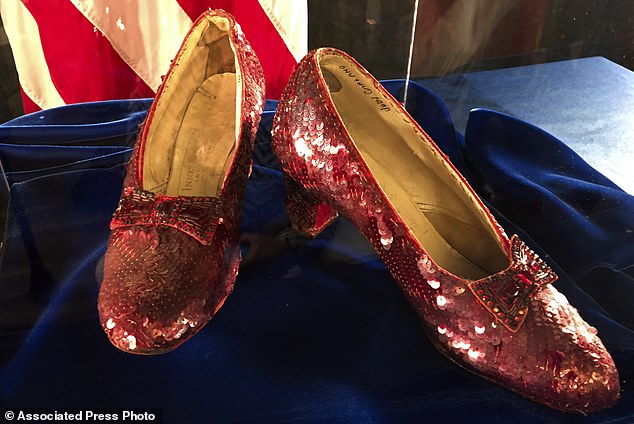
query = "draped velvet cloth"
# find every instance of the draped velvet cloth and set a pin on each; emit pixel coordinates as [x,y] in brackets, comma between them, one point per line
[315,331]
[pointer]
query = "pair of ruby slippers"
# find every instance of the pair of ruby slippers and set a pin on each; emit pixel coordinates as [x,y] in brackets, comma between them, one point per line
[346,146]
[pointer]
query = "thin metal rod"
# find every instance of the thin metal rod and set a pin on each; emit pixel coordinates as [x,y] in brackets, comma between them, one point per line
[411,53]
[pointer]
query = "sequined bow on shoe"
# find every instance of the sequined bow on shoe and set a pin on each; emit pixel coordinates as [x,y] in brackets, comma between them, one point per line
[486,301]
[173,254]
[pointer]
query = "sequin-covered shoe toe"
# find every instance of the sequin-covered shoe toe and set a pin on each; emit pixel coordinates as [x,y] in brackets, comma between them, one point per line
[173,254]
[485,300]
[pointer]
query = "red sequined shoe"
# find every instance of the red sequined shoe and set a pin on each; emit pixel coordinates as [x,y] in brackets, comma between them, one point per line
[486,301]
[173,253]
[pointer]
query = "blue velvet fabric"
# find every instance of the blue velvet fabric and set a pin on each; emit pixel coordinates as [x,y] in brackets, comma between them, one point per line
[318,332]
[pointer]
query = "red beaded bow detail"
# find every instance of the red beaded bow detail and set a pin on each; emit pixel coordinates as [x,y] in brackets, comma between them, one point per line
[196,216]
[507,294]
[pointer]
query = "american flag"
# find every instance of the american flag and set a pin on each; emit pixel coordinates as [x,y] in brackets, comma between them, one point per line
[71,51]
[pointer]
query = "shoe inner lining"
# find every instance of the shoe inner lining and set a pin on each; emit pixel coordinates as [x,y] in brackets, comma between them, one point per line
[193,133]
[442,215]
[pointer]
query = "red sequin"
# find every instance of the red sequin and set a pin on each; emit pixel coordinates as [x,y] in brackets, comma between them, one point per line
[196,216]
[513,328]
[507,294]
[172,261]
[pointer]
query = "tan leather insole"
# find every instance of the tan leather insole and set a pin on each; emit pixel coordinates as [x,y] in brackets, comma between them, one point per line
[193,133]
[427,196]
[205,140]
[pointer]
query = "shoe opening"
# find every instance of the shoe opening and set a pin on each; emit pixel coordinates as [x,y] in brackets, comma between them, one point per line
[434,202]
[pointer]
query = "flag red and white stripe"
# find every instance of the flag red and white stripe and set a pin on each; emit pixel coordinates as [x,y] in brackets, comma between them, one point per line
[70,51]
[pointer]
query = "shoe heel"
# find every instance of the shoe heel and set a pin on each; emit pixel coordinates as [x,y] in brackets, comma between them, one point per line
[308,214]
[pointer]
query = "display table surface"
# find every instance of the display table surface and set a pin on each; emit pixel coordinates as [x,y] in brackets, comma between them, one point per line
[587,103]
[318,331]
